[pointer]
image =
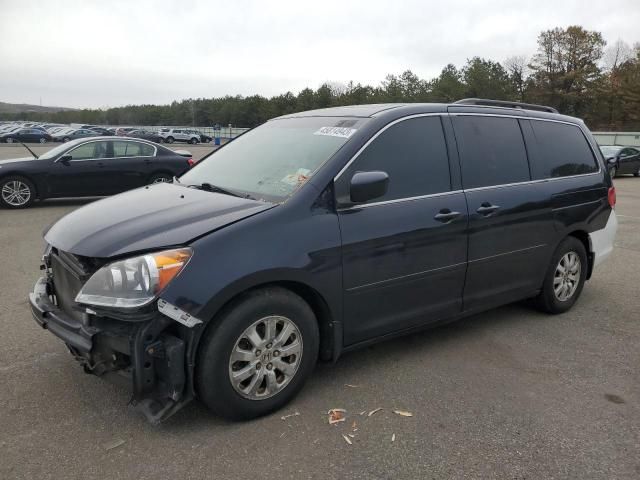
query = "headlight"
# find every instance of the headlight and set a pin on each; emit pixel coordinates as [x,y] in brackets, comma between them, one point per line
[133,282]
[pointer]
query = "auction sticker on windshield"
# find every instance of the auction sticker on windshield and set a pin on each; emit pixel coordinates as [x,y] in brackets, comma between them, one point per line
[341,132]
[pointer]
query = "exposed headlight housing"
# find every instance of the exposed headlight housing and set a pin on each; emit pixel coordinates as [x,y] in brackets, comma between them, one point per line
[133,282]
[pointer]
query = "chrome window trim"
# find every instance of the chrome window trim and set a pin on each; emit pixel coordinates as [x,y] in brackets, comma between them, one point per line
[399,200]
[98,139]
[488,187]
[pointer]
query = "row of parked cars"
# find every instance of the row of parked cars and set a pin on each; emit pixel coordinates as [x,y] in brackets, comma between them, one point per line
[29,132]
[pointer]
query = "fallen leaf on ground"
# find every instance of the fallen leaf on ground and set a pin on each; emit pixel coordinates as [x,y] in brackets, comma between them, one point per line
[351,435]
[351,386]
[113,444]
[336,415]
[393,437]
[363,412]
[346,439]
[373,412]
[402,413]
[295,414]
[354,425]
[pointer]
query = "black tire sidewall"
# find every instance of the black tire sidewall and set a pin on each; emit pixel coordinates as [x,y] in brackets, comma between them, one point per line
[212,375]
[548,300]
[24,180]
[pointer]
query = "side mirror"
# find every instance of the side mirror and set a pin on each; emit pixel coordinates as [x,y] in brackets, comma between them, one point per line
[612,160]
[368,185]
[64,159]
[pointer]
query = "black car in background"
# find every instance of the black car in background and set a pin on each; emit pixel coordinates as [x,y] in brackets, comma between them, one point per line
[101,130]
[146,135]
[67,135]
[622,160]
[26,135]
[90,167]
[320,232]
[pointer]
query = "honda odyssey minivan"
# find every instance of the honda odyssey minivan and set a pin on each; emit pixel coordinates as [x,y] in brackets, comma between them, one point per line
[320,232]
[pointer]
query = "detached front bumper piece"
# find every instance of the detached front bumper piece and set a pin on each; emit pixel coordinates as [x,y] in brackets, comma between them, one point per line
[146,355]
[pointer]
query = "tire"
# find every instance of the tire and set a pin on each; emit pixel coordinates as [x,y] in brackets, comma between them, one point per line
[193,141]
[43,140]
[9,140]
[161,178]
[13,184]
[227,333]
[613,171]
[170,140]
[66,139]
[160,140]
[637,173]
[548,300]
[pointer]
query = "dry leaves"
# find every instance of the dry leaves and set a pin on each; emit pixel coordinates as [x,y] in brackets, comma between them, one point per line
[336,415]
[373,412]
[347,439]
[295,414]
[403,413]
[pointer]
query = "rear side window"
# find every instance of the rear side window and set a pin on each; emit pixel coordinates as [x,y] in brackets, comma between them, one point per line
[412,152]
[561,150]
[492,151]
[132,149]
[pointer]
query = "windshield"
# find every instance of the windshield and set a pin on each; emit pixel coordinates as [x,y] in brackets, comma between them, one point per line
[274,160]
[610,151]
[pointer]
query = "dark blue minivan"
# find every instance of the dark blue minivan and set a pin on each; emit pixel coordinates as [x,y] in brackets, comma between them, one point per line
[320,232]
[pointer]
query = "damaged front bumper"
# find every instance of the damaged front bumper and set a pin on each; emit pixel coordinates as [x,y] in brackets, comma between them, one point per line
[147,354]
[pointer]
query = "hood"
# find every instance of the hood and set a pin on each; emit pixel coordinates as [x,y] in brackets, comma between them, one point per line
[16,160]
[153,217]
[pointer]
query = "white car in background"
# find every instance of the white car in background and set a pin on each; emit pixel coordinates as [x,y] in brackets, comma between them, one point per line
[171,135]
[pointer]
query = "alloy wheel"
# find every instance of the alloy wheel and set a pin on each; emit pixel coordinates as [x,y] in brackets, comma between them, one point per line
[567,276]
[265,358]
[16,193]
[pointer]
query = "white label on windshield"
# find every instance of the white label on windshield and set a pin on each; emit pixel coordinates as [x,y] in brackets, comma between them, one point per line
[341,132]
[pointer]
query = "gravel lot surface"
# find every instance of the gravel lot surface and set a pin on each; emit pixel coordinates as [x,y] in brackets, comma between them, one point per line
[511,393]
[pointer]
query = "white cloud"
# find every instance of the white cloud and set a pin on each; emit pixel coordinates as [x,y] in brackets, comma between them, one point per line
[86,53]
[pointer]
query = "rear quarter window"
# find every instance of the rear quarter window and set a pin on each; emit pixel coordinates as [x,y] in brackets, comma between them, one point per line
[560,150]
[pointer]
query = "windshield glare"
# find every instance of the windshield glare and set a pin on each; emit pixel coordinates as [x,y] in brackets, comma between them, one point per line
[272,161]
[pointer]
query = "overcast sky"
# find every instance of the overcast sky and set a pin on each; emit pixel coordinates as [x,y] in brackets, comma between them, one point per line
[111,52]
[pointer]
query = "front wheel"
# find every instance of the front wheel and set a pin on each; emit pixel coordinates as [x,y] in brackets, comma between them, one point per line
[637,173]
[193,141]
[43,140]
[16,192]
[169,139]
[9,140]
[565,277]
[257,355]
[66,139]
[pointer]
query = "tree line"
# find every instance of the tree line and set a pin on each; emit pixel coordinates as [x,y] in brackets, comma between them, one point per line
[572,70]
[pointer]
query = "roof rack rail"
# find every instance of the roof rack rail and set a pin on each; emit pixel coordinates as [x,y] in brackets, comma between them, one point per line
[505,104]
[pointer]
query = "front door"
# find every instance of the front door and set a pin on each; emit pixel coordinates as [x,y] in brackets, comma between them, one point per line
[404,254]
[83,173]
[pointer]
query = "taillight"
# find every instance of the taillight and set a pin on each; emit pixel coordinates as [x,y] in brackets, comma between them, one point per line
[191,162]
[612,197]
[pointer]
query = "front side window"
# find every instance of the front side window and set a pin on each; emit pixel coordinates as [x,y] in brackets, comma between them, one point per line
[492,151]
[412,152]
[273,160]
[561,150]
[89,150]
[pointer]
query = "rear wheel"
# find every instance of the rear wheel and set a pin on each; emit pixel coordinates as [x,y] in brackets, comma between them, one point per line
[193,141]
[16,192]
[565,277]
[637,173]
[9,140]
[66,139]
[43,140]
[257,355]
[170,140]
[160,178]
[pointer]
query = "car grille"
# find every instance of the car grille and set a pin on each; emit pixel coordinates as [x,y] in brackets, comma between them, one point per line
[68,277]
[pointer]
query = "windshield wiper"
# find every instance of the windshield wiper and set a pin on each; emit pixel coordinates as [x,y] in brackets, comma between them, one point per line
[209,187]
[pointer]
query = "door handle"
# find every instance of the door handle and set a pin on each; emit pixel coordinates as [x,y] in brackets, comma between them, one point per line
[487,209]
[445,215]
